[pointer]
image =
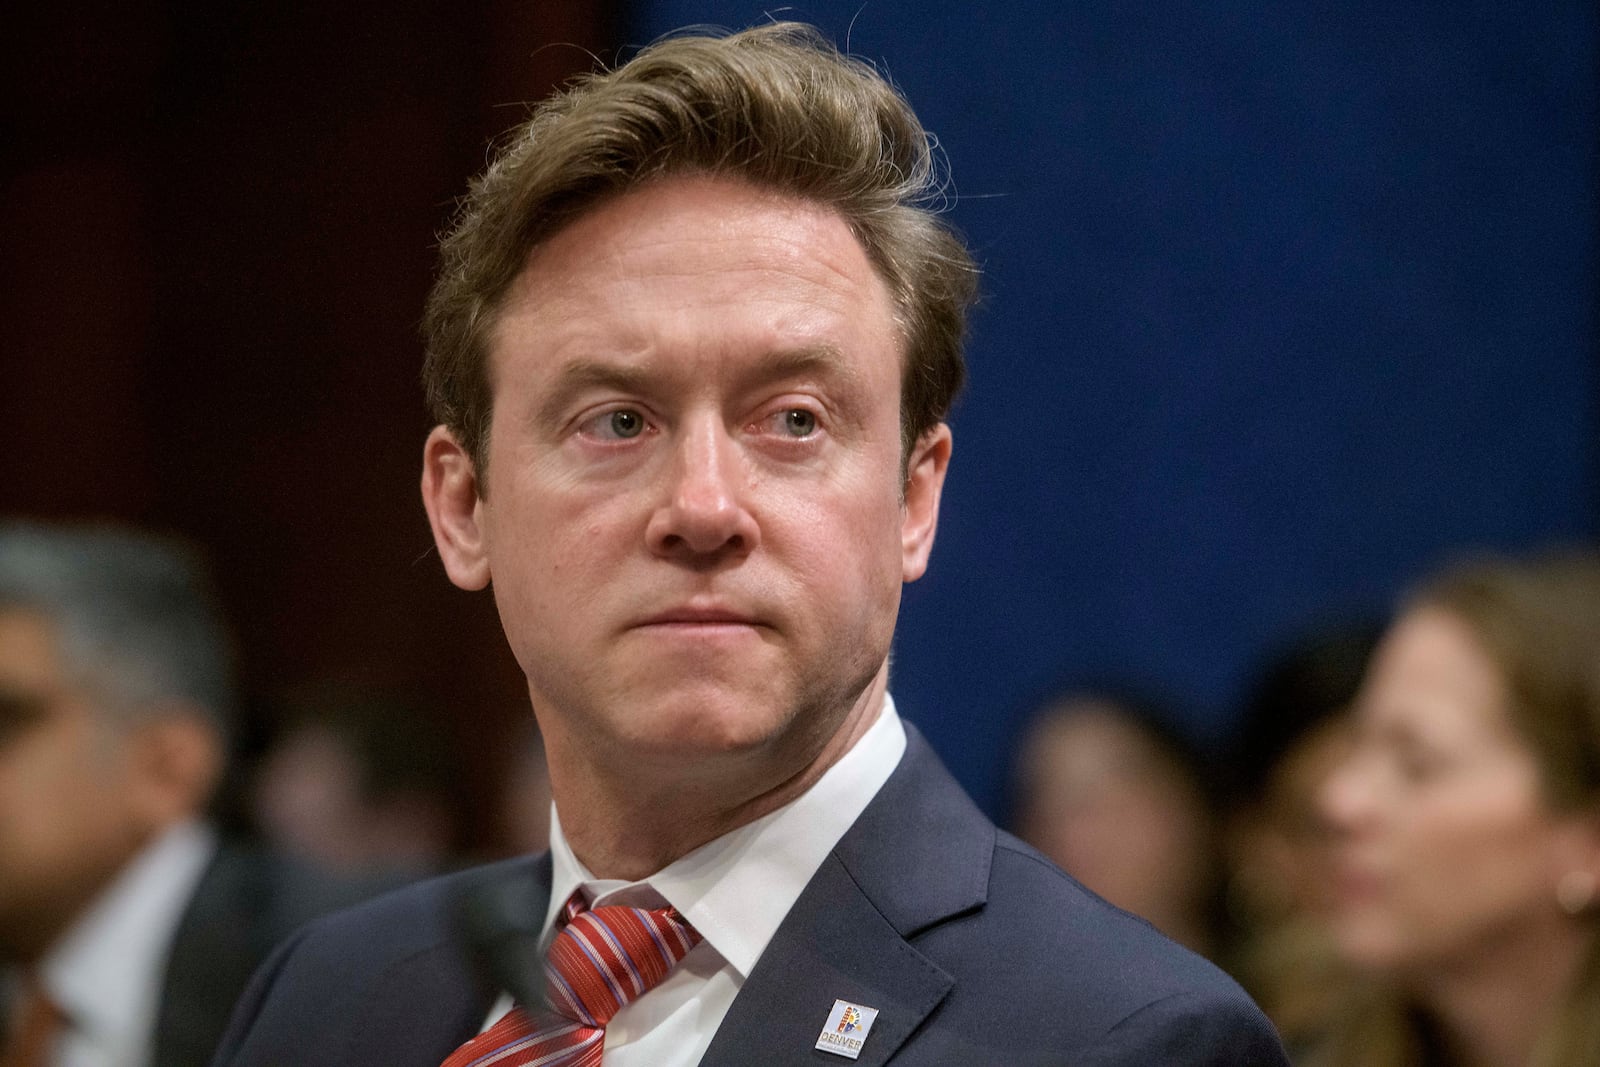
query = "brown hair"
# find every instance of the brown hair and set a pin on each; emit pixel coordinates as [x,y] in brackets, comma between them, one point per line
[1539,621]
[777,106]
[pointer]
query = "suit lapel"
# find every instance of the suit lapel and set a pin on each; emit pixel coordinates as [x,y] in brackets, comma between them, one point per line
[214,950]
[918,855]
[833,946]
[428,1005]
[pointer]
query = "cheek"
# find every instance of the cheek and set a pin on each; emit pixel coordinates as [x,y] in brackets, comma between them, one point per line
[545,549]
[1481,824]
[873,539]
[844,532]
[61,804]
[1473,864]
[871,593]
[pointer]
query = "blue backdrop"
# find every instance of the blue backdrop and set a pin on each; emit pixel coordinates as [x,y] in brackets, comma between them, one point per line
[1284,305]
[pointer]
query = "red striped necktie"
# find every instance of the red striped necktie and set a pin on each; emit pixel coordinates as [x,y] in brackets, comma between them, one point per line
[601,959]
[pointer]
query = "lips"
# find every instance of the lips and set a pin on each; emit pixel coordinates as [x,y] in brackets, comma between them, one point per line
[1354,883]
[709,616]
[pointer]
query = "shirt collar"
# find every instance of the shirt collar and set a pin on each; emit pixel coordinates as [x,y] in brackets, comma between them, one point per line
[105,972]
[736,889]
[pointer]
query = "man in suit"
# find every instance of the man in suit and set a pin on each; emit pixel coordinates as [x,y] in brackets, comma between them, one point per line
[127,928]
[690,351]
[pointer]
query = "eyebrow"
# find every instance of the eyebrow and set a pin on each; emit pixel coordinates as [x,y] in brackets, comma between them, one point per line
[820,359]
[582,375]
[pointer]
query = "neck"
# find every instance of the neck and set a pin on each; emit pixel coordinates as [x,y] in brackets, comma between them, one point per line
[630,821]
[1493,1010]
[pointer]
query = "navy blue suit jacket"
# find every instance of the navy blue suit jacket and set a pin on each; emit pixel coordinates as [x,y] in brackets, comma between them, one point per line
[973,948]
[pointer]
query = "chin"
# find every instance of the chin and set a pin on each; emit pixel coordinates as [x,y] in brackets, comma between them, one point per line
[1370,943]
[701,724]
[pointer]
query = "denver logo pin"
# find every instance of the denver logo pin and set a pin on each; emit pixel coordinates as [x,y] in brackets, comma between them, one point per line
[846,1029]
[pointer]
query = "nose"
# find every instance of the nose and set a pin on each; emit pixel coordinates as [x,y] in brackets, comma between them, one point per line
[1344,801]
[704,514]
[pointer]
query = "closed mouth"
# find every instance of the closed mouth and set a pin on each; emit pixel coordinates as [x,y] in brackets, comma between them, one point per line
[690,616]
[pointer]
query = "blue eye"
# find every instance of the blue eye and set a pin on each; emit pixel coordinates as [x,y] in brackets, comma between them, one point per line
[624,423]
[797,422]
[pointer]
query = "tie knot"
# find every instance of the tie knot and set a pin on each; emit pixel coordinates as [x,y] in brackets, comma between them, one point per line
[606,957]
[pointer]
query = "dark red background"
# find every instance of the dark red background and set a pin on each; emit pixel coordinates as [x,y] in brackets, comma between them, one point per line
[218,229]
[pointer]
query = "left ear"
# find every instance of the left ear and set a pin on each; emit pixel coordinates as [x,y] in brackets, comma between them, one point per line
[177,757]
[453,497]
[919,515]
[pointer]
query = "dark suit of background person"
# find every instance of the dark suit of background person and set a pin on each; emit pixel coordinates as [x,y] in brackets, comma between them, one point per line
[114,665]
[704,484]
[249,900]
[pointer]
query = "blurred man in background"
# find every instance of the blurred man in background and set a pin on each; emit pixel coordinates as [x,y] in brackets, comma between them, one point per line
[127,928]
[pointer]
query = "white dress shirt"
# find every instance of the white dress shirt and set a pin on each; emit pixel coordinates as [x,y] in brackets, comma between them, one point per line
[735,891]
[106,972]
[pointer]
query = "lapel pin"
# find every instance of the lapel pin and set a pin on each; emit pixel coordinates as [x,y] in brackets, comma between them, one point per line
[846,1029]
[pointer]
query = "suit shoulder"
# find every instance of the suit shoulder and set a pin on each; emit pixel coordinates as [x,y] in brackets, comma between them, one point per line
[1027,949]
[1046,956]
[1051,915]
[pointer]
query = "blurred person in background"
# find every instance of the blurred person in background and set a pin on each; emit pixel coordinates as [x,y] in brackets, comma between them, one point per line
[1467,822]
[127,927]
[362,782]
[1294,730]
[1106,789]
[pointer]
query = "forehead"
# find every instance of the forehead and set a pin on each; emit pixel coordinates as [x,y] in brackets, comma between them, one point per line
[651,268]
[1085,740]
[1433,672]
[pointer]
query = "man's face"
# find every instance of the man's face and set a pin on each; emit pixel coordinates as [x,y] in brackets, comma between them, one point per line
[694,523]
[66,818]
